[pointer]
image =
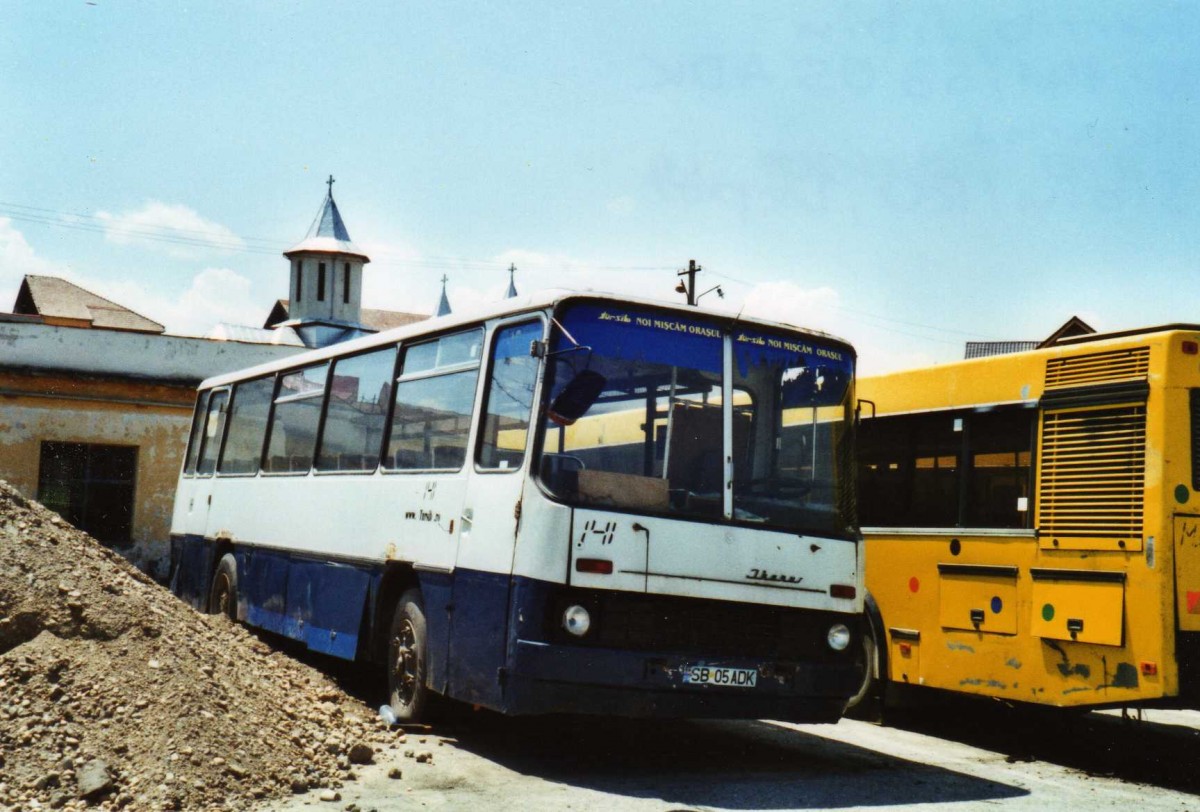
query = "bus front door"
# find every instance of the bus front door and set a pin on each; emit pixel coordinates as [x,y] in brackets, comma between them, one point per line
[196,556]
[491,517]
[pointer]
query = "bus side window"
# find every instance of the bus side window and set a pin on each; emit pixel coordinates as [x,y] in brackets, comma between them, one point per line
[911,469]
[199,419]
[214,429]
[999,445]
[247,426]
[359,392]
[292,437]
[909,472]
[435,394]
[507,410]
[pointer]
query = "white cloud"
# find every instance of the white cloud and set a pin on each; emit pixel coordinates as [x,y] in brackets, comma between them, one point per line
[214,295]
[17,258]
[816,308]
[879,350]
[171,228]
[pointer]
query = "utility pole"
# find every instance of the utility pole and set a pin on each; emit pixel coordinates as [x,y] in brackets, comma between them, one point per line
[689,287]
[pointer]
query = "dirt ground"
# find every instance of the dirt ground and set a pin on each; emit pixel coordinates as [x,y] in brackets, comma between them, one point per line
[114,694]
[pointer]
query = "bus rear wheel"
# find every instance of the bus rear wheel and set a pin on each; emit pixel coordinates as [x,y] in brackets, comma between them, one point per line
[222,596]
[410,697]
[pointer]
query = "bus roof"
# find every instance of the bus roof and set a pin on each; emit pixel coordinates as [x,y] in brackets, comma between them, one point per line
[538,300]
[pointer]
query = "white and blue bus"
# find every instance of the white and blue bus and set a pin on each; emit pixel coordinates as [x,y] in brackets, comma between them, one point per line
[573,503]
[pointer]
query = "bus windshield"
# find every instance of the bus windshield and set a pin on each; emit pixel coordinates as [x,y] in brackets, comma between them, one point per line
[637,419]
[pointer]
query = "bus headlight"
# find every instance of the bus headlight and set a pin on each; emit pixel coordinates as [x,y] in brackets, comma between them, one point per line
[838,637]
[577,621]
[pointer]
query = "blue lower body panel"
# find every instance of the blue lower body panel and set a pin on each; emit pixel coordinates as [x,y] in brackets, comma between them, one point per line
[319,603]
[497,641]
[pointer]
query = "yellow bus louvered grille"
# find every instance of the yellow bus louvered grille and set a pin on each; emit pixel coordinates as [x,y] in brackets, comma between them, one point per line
[1092,471]
[1101,367]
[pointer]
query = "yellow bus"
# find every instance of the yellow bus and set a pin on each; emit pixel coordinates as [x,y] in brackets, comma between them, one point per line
[1032,522]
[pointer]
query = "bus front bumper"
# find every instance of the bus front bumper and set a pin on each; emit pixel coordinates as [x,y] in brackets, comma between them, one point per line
[556,678]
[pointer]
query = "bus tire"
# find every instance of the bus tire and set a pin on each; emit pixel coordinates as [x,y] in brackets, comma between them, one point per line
[407,656]
[223,594]
[868,702]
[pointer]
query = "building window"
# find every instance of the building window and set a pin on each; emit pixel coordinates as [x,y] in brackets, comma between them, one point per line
[321,282]
[299,280]
[346,283]
[91,486]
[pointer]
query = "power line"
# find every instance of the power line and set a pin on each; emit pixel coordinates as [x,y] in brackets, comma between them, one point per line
[867,314]
[205,238]
[264,246]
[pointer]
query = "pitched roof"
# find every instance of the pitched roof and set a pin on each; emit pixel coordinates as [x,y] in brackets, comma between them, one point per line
[387,319]
[56,299]
[378,320]
[1073,326]
[328,233]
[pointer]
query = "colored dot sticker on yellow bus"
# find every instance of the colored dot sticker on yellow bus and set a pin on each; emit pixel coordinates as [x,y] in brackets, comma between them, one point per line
[997,604]
[913,584]
[1048,612]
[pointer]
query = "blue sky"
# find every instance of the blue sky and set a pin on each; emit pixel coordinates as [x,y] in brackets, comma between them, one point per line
[908,176]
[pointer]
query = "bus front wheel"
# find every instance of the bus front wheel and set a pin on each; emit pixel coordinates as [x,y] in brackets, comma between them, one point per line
[222,596]
[408,693]
[868,703]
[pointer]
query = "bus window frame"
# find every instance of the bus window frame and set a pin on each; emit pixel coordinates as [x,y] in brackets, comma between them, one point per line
[964,466]
[227,390]
[398,348]
[262,449]
[275,401]
[195,432]
[399,377]
[481,396]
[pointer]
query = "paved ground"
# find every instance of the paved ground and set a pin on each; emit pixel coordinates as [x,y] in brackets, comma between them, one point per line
[981,757]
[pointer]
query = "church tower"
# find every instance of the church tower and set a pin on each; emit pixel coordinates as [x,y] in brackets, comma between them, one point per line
[325,297]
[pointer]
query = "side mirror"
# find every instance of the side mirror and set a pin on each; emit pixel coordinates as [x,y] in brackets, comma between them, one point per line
[576,397]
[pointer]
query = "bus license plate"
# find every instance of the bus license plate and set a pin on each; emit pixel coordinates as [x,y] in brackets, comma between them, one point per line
[730,677]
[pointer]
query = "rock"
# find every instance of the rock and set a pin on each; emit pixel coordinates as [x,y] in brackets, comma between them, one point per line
[299,784]
[94,779]
[48,781]
[361,753]
[395,773]
[424,757]
[330,795]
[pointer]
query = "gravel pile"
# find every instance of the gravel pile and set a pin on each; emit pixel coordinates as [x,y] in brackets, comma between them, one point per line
[114,694]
